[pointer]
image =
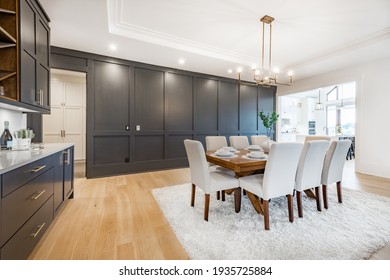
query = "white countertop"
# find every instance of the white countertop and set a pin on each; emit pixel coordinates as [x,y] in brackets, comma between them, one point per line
[10,160]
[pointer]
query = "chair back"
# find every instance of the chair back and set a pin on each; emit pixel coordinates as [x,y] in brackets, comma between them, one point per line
[214,143]
[239,142]
[310,165]
[258,139]
[198,164]
[317,137]
[332,171]
[280,170]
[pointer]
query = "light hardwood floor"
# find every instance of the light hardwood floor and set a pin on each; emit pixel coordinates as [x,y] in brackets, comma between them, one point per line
[118,218]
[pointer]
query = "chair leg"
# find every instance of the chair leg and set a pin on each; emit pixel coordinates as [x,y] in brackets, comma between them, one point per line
[193,195]
[237,199]
[218,195]
[325,196]
[206,206]
[339,194]
[318,198]
[223,195]
[266,214]
[244,192]
[290,208]
[299,203]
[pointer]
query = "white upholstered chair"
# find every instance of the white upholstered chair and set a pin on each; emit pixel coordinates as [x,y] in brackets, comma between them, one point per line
[258,139]
[214,143]
[309,171]
[278,178]
[239,142]
[332,171]
[208,181]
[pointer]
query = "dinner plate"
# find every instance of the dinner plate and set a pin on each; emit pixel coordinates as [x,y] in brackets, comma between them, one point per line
[257,157]
[255,148]
[224,156]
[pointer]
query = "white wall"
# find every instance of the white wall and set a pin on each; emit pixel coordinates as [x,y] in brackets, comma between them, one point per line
[372,111]
[17,120]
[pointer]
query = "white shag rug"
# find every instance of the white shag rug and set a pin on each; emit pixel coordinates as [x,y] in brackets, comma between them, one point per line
[355,229]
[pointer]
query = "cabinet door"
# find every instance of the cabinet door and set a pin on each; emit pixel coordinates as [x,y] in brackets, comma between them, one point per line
[58,180]
[68,172]
[42,43]
[43,87]
[27,28]
[28,86]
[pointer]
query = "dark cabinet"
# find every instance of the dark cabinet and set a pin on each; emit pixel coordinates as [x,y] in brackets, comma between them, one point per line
[30,197]
[34,55]
[63,176]
[68,172]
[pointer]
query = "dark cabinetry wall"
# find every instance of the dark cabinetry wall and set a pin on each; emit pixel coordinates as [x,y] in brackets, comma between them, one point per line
[138,115]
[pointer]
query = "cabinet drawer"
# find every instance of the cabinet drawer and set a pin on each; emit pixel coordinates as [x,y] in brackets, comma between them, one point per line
[20,205]
[18,177]
[23,242]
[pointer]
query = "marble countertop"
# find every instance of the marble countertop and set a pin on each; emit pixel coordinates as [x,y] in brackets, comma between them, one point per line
[10,160]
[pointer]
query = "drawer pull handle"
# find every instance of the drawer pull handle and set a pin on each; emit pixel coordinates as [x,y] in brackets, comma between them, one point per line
[35,197]
[37,169]
[39,228]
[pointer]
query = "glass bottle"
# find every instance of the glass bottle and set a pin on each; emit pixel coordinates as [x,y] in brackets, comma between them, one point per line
[6,137]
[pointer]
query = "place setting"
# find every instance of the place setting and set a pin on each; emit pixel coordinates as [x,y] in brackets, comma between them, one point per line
[254,148]
[226,152]
[255,155]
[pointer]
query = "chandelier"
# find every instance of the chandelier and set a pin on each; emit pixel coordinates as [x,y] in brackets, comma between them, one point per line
[259,74]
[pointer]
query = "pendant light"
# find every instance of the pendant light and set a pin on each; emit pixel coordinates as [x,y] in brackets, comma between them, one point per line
[319,105]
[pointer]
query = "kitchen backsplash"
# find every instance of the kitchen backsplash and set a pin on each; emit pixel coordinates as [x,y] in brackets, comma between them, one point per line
[17,120]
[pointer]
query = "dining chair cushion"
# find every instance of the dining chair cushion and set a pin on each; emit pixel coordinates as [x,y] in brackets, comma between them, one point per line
[222,181]
[310,165]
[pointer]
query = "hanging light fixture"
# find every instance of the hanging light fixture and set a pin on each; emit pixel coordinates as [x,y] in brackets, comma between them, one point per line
[259,74]
[319,105]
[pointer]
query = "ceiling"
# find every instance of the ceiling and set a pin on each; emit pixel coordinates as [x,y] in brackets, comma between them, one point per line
[309,37]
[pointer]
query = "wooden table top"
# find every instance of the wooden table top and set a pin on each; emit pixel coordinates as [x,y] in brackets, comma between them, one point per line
[240,165]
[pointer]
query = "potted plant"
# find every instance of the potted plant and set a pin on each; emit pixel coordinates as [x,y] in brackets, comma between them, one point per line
[23,139]
[269,121]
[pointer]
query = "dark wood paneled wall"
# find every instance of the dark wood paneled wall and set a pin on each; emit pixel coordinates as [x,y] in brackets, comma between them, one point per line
[168,105]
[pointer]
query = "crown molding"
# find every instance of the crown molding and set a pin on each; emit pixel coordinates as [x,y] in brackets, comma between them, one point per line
[117,26]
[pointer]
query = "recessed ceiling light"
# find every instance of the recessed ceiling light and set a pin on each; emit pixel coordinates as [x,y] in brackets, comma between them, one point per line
[181,61]
[230,71]
[112,47]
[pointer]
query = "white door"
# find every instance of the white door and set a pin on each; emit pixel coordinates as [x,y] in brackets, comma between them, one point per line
[66,122]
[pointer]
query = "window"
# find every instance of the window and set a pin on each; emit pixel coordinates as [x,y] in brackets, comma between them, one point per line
[340,110]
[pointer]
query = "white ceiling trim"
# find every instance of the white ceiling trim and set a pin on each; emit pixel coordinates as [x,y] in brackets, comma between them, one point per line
[368,40]
[117,26]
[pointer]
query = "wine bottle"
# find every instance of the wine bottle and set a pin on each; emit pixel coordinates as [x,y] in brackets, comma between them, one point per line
[6,137]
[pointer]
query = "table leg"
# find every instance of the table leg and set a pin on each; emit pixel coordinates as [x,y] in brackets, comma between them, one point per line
[255,202]
[310,193]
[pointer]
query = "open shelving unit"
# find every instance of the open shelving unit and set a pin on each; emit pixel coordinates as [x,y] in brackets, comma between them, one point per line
[9,49]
